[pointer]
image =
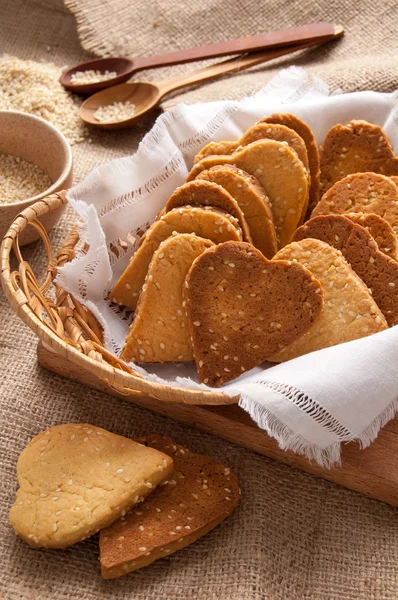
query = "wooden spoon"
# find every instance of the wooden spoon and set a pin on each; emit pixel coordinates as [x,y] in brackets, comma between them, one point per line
[147,95]
[125,67]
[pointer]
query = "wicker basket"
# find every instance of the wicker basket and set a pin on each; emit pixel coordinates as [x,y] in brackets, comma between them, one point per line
[66,326]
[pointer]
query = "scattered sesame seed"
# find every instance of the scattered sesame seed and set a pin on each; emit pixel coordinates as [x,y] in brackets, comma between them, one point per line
[119,471]
[70,482]
[142,549]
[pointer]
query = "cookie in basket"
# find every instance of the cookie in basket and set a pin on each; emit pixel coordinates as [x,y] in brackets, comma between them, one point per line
[253,201]
[75,479]
[281,174]
[259,131]
[214,225]
[349,312]
[206,193]
[358,147]
[243,308]
[379,229]
[159,331]
[306,134]
[362,192]
[378,271]
[200,494]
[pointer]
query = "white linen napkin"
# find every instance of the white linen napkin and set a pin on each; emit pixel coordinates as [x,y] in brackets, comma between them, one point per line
[310,404]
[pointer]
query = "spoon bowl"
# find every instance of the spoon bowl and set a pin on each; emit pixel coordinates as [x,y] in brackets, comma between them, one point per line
[121,65]
[144,95]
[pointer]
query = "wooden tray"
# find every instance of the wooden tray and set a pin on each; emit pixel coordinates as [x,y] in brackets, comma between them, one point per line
[373,471]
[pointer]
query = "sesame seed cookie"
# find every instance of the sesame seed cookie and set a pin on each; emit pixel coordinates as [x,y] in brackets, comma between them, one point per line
[306,134]
[207,193]
[259,131]
[253,201]
[378,271]
[211,224]
[75,479]
[159,331]
[199,496]
[358,147]
[379,229]
[281,174]
[362,192]
[349,311]
[243,308]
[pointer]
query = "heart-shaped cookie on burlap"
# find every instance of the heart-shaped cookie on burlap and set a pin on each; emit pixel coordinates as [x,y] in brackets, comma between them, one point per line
[77,478]
[197,497]
[243,308]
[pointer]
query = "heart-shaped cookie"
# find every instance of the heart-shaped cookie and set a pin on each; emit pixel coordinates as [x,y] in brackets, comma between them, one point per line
[362,192]
[378,271]
[200,494]
[159,331]
[253,201]
[259,131]
[349,311]
[207,193]
[358,147]
[306,134]
[243,308]
[380,230]
[75,479]
[211,224]
[281,174]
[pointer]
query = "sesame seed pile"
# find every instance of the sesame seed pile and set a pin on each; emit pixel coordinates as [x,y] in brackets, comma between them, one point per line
[91,76]
[20,179]
[34,88]
[117,111]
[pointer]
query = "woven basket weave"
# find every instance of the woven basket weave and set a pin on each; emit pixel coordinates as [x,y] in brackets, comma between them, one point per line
[65,325]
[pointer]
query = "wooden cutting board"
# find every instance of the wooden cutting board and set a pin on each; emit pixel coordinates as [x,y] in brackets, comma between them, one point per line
[373,471]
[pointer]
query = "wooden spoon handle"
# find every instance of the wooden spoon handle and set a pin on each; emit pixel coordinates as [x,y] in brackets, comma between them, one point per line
[261,41]
[228,66]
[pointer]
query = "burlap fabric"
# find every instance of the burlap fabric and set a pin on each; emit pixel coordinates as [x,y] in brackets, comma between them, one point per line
[294,536]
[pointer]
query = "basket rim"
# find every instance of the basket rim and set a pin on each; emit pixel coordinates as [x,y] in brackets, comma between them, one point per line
[114,376]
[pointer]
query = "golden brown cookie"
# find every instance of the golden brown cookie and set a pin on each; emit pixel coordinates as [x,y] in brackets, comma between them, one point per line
[214,225]
[243,308]
[358,147]
[252,200]
[200,494]
[75,479]
[159,331]
[378,271]
[207,193]
[349,311]
[379,229]
[259,131]
[362,192]
[281,174]
[306,134]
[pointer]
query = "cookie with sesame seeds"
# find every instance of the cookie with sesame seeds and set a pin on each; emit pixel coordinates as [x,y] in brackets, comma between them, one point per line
[379,229]
[259,131]
[378,271]
[207,193]
[75,479]
[364,193]
[211,224]
[279,171]
[253,201]
[349,312]
[242,308]
[200,494]
[159,331]
[305,132]
[358,147]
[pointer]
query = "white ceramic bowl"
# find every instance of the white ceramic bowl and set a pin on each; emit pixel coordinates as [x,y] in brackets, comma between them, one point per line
[37,141]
